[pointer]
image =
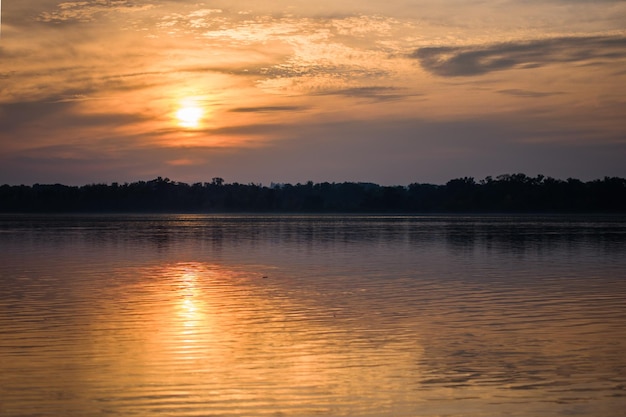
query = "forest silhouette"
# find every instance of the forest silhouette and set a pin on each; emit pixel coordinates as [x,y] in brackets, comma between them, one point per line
[509,193]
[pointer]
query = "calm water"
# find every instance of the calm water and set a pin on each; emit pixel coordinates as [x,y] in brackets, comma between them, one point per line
[312,316]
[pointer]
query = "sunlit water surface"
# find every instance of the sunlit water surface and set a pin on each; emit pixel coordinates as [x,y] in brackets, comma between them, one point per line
[312,316]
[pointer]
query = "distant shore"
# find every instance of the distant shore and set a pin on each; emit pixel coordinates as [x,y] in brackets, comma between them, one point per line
[515,193]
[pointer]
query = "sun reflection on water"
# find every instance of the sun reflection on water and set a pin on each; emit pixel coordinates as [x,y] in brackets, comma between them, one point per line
[243,340]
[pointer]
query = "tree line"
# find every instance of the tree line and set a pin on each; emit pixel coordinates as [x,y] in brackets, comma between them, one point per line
[507,193]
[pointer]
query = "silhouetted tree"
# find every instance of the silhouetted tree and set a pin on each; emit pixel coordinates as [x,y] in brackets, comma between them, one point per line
[505,193]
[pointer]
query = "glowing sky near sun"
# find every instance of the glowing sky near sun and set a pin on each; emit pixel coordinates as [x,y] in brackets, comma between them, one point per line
[392,92]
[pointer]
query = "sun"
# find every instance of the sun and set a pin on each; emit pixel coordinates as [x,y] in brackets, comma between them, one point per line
[189,115]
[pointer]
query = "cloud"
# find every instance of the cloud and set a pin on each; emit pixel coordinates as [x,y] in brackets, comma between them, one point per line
[283,51]
[84,11]
[267,109]
[448,61]
[58,112]
[375,93]
[14,116]
[527,93]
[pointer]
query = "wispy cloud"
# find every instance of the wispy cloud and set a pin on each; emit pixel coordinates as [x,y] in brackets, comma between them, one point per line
[87,11]
[267,109]
[482,59]
[529,94]
[374,93]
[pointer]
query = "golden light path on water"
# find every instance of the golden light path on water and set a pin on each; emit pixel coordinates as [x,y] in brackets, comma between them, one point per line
[212,336]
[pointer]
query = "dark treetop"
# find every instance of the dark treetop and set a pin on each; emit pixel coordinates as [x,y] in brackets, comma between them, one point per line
[505,193]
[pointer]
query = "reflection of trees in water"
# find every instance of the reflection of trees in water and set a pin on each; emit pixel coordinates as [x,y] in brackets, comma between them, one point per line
[526,234]
[497,234]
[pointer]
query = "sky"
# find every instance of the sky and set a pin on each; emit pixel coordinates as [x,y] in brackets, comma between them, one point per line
[386,91]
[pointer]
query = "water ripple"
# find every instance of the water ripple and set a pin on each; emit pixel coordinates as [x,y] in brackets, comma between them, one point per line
[303,316]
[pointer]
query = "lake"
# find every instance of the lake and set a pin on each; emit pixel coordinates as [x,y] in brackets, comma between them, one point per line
[333,315]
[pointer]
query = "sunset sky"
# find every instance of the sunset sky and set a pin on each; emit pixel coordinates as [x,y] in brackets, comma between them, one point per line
[384,91]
